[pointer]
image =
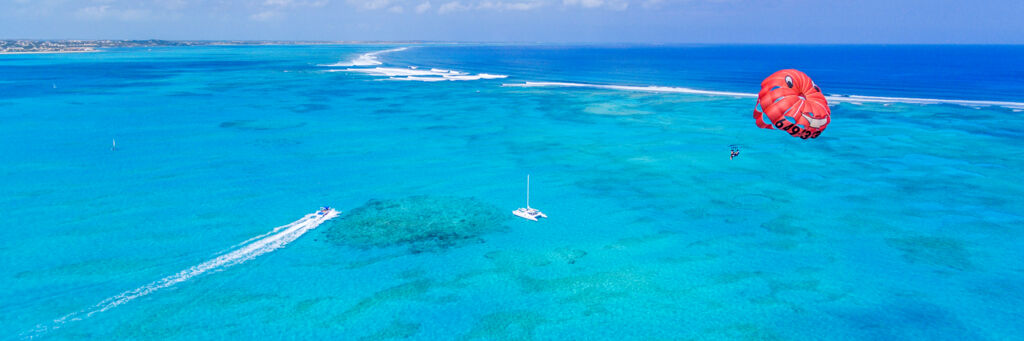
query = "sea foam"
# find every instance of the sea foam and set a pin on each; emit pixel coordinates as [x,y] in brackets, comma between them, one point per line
[833,99]
[366,59]
[411,73]
[649,88]
[417,74]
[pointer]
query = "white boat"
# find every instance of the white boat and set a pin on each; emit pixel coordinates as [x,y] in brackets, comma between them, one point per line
[325,213]
[529,212]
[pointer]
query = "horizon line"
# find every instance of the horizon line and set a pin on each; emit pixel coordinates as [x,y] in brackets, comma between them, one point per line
[507,42]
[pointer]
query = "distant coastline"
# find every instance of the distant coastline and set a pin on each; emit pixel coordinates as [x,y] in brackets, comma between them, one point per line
[49,51]
[24,46]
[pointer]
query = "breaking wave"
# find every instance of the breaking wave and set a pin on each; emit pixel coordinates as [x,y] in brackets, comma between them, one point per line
[367,59]
[412,73]
[416,74]
[629,88]
[834,99]
[370,64]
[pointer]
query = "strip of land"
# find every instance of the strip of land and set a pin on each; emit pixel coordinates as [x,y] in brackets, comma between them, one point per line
[75,46]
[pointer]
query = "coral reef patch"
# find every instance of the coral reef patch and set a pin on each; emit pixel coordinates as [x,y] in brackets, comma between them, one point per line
[946,252]
[424,223]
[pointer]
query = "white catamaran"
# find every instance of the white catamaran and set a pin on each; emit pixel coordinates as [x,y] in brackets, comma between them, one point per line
[529,212]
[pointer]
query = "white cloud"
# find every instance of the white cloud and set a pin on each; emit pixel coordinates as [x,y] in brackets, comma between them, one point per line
[617,5]
[370,4]
[104,12]
[273,9]
[652,3]
[584,3]
[172,4]
[295,3]
[454,6]
[94,12]
[513,6]
[524,6]
[265,15]
[423,7]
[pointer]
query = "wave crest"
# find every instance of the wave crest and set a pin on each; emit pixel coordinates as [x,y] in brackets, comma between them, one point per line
[366,59]
[411,73]
[415,74]
[833,99]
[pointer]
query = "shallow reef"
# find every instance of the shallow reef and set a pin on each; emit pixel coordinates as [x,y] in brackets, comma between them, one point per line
[941,251]
[424,223]
[254,125]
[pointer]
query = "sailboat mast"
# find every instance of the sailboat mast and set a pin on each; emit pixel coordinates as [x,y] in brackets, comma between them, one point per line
[527,190]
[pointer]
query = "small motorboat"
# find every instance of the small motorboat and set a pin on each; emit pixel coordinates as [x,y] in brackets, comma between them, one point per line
[529,212]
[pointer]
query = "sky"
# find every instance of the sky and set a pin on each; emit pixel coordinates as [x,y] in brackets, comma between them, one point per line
[552,21]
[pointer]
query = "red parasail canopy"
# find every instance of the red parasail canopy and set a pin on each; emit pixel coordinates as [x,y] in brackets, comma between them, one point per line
[792,103]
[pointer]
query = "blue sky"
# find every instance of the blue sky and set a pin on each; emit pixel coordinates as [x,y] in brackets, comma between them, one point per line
[629,21]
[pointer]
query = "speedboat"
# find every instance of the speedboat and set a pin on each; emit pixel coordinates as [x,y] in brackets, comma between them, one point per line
[529,212]
[323,210]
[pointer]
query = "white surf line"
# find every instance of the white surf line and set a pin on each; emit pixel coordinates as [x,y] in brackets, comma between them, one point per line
[367,59]
[368,63]
[650,88]
[270,242]
[423,75]
[965,102]
[855,99]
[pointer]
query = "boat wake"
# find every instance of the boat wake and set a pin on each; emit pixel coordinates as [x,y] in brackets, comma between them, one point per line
[832,99]
[240,253]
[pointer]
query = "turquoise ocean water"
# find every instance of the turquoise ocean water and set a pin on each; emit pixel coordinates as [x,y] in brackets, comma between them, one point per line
[902,221]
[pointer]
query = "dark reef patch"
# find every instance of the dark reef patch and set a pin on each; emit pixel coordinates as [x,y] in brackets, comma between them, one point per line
[506,325]
[257,125]
[276,142]
[947,252]
[397,330]
[788,225]
[424,223]
[905,320]
[387,111]
[310,107]
[190,94]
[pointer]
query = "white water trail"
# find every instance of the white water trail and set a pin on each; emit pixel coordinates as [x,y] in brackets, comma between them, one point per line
[423,75]
[252,248]
[368,63]
[650,88]
[367,59]
[832,99]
